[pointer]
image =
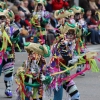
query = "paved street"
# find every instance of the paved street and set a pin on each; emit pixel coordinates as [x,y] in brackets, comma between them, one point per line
[89,85]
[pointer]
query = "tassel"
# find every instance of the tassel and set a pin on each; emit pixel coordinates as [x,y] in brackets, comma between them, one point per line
[94,66]
[18,47]
[6,40]
[99,59]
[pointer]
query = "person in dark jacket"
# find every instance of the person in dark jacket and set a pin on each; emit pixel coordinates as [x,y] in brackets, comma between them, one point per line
[71,3]
[31,6]
[84,4]
[17,3]
[92,28]
[49,6]
[98,3]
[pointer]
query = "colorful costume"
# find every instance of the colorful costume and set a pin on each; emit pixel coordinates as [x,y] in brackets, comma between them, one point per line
[7,52]
[65,53]
[55,75]
[9,36]
[64,59]
[29,77]
[80,41]
[38,27]
[59,4]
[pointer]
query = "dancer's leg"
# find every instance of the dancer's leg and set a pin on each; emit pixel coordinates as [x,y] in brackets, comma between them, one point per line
[72,90]
[8,76]
[58,94]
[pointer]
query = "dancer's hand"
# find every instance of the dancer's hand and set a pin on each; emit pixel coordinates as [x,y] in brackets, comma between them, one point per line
[73,61]
[42,77]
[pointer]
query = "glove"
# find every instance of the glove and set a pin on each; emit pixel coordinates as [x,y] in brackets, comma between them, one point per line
[33,70]
[43,77]
[46,79]
[73,61]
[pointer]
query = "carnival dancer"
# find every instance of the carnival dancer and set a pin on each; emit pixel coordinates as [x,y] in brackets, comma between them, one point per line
[80,41]
[32,75]
[65,52]
[8,38]
[34,70]
[39,18]
[7,51]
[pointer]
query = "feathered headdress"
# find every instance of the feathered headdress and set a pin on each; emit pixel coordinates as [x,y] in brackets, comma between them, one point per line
[71,12]
[43,50]
[77,9]
[64,29]
[44,2]
[3,5]
[58,14]
[7,14]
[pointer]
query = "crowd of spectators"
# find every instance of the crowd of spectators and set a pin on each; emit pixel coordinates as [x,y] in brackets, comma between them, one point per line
[23,11]
[91,16]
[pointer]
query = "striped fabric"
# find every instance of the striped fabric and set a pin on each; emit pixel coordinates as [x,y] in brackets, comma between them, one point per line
[8,68]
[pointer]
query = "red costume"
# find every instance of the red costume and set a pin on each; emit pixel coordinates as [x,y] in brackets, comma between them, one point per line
[59,4]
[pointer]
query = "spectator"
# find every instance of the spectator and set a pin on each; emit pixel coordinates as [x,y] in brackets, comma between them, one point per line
[22,16]
[59,4]
[94,18]
[84,4]
[53,21]
[39,10]
[71,3]
[98,3]
[14,8]
[94,36]
[25,7]
[17,3]
[31,6]
[49,6]
[21,42]
[93,5]
[66,4]
[24,22]
[17,20]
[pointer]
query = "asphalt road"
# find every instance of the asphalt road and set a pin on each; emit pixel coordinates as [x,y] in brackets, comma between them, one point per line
[89,85]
